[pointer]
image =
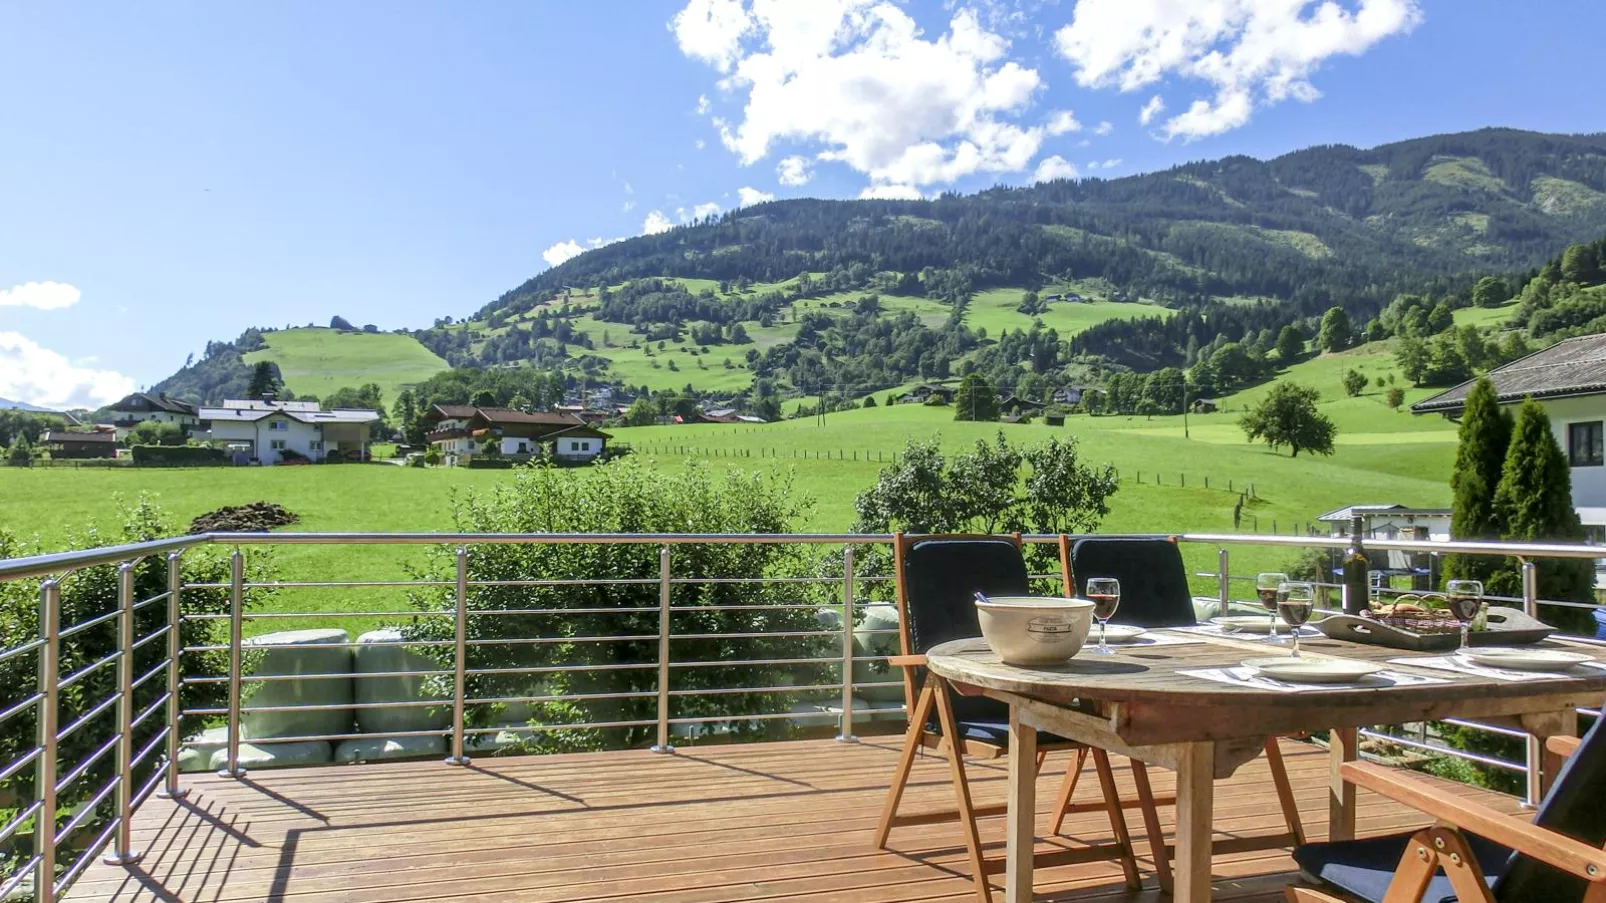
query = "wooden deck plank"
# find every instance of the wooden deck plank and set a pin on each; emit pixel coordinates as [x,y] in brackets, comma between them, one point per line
[763,822]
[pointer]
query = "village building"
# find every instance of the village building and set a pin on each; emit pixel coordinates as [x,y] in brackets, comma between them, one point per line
[277,432]
[132,410]
[1569,379]
[65,444]
[463,432]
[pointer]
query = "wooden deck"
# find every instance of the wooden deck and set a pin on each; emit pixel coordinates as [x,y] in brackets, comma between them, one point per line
[784,821]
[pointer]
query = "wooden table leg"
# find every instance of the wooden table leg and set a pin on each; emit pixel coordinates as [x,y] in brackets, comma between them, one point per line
[1340,793]
[1022,815]
[1196,776]
[1541,728]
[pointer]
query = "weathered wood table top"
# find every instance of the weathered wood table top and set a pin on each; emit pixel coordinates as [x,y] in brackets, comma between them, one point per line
[1140,689]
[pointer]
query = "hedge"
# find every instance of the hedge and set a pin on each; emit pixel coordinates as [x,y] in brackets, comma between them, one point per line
[179,456]
[491,463]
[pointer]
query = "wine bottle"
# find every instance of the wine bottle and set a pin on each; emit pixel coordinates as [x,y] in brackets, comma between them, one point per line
[1357,573]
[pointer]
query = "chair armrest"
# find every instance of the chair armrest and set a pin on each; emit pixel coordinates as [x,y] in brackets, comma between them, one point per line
[1561,745]
[1558,850]
[907,661]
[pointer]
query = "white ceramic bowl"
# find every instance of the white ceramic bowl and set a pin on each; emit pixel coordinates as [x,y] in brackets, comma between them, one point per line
[1034,630]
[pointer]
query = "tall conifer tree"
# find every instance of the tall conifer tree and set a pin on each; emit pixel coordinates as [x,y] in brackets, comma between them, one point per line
[1480,459]
[1535,503]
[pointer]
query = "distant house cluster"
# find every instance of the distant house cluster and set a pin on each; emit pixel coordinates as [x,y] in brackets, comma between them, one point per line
[252,432]
[463,432]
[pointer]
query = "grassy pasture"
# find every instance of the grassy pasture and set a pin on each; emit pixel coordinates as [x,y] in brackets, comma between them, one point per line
[318,361]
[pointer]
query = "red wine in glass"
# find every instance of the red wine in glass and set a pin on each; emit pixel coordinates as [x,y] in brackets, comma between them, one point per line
[1105,604]
[1465,598]
[1105,593]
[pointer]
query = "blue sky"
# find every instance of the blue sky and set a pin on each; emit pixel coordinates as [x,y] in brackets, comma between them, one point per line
[172,173]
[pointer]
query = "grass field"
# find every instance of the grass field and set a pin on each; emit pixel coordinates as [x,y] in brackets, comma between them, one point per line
[1485,316]
[998,310]
[316,361]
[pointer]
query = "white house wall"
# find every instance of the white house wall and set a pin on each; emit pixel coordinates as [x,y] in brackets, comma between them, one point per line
[1589,483]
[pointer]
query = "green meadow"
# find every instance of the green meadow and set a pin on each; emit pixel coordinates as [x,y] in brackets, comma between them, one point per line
[317,361]
[1382,456]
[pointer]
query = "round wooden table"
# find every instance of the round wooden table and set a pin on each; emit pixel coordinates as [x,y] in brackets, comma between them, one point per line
[1143,702]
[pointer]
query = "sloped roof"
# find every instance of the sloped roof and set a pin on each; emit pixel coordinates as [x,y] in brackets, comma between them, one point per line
[1569,367]
[451,412]
[67,436]
[508,415]
[1343,515]
[148,401]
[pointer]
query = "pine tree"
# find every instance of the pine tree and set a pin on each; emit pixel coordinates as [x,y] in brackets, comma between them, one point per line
[265,382]
[1534,501]
[1479,460]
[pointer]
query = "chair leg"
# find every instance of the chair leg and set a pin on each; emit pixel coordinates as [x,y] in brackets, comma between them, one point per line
[967,814]
[1151,825]
[1459,865]
[1112,803]
[1041,757]
[911,745]
[1285,790]
[1062,806]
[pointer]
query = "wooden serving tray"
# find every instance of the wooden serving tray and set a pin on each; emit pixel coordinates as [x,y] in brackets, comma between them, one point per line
[1507,627]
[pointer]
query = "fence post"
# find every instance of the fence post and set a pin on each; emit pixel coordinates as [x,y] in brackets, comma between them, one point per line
[231,766]
[122,852]
[460,661]
[44,835]
[846,734]
[1536,748]
[175,650]
[1221,573]
[664,587]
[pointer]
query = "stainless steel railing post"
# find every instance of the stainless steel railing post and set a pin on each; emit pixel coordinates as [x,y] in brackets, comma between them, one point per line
[846,734]
[1225,581]
[664,587]
[1536,751]
[175,651]
[460,661]
[122,851]
[231,767]
[44,835]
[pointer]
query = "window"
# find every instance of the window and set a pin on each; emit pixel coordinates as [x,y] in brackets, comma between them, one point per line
[315,445]
[524,448]
[278,445]
[278,425]
[1584,444]
[574,446]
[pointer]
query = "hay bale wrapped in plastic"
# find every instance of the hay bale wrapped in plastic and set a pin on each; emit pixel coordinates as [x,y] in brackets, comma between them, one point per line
[382,652]
[321,673]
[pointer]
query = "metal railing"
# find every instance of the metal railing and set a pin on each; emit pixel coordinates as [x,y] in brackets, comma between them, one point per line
[113,681]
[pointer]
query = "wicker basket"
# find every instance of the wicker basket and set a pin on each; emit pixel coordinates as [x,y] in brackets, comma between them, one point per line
[1430,621]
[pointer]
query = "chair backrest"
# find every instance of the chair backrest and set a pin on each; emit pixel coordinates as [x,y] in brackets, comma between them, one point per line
[937,581]
[1574,808]
[1154,581]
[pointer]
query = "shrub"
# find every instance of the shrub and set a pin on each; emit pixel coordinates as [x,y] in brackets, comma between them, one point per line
[178,456]
[625,497]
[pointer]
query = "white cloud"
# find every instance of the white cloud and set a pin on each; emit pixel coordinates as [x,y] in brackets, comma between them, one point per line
[703,211]
[794,170]
[1251,52]
[699,144]
[703,105]
[1104,128]
[629,206]
[40,295]
[655,223]
[711,31]
[1062,122]
[1055,167]
[860,78]
[747,197]
[890,193]
[563,250]
[36,375]
[1107,164]
[1153,108]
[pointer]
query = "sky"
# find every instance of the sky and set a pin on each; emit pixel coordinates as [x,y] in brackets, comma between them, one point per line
[172,173]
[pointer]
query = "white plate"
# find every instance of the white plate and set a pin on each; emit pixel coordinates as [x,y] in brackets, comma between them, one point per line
[1248,624]
[1313,670]
[1120,633]
[1524,659]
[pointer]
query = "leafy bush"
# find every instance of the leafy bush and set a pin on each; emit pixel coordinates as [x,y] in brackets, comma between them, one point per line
[87,594]
[626,497]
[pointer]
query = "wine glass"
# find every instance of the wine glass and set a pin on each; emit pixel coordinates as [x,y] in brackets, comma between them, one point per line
[1296,602]
[1466,598]
[1266,589]
[1106,595]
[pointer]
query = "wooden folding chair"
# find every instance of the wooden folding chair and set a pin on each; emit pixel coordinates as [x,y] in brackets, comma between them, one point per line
[1485,855]
[947,570]
[1154,593]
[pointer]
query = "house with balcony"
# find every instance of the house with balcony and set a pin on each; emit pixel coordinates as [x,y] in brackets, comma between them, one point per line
[463,431]
[80,445]
[132,410]
[1569,379]
[277,432]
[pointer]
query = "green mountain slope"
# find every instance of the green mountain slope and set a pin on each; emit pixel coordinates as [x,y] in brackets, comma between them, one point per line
[317,361]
